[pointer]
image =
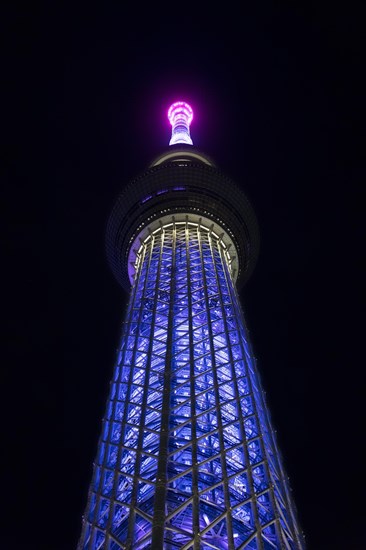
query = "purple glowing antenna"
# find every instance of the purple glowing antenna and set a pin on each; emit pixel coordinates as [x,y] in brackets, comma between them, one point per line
[180,116]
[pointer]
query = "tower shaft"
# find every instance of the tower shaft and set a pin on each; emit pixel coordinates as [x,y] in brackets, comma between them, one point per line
[187,458]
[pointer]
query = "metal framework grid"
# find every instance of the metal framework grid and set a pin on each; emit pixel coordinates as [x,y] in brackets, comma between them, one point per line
[187,458]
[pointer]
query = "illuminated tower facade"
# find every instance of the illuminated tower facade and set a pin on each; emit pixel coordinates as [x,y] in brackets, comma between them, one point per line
[187,458]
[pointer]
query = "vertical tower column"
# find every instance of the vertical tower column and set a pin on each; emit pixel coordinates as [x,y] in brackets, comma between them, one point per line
[187,458]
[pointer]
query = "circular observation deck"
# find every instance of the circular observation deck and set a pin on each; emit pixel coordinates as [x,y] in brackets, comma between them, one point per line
[181,182]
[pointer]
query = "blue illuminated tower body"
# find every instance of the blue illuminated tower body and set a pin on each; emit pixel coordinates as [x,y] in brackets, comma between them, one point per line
[187,458]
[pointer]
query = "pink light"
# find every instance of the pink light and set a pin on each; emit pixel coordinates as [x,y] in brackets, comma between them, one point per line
[180,110]
[180,116]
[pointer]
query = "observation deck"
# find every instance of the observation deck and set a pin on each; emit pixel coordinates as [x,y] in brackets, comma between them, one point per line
[182,182]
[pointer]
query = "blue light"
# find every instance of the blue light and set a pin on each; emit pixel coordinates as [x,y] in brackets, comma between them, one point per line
[146,199]
[185,368]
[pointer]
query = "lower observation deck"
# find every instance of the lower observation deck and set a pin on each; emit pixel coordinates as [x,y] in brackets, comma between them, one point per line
[182,182]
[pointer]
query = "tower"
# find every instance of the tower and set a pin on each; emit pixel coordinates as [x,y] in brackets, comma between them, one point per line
[187,458]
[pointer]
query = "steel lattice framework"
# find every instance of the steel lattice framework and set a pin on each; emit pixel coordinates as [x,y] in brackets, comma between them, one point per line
[187,458]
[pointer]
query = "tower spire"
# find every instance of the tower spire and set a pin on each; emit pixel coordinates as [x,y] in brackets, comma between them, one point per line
[180,116]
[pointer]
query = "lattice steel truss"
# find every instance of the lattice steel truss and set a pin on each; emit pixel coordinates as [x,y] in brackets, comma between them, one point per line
[187,458]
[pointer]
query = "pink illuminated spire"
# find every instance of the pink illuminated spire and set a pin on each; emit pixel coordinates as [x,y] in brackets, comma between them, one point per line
[180,116]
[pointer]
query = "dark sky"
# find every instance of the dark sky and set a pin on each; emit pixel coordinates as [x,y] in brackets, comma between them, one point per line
[277,91]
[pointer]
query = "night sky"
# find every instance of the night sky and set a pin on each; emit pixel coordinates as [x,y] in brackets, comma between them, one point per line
[277,92]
